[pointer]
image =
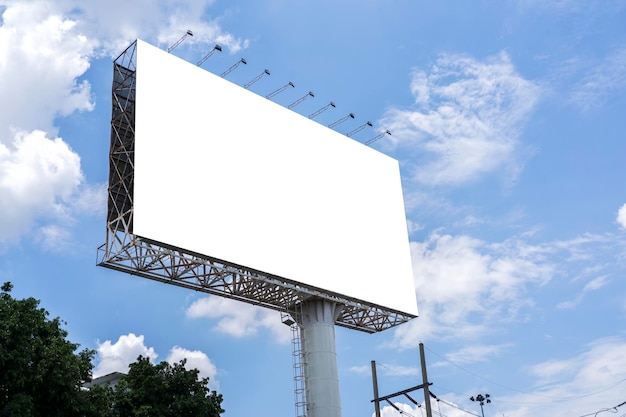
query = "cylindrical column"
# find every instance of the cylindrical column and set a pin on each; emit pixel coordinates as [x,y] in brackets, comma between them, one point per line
[320,358]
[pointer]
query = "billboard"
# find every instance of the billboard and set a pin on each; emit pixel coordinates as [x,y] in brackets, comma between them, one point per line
[224,172]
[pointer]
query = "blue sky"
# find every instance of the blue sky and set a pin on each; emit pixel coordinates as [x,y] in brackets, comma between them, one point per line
[508,122]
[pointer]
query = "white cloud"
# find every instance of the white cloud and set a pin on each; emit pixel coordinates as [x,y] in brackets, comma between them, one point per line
[400,370]
[488,278]
[116,23]
[387,370]
[239,319]
[606,79]
[196,359]
[594,284]
[466,286]
[90,198]
[45,49]
[621,216]
[467,118]
[38,176]
[115,357]
[476,353]
[53,238]
[564,385]
[42,56]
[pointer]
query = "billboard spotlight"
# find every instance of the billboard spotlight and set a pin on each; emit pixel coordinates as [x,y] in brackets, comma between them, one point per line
[257,78]
[322,110]
[375,138]
[279,90]
[343,119]
[301,99]
[178,42]
[358,129]
[232,68]
[207,56]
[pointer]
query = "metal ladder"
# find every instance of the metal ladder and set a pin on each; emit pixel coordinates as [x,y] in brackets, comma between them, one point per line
[298,365]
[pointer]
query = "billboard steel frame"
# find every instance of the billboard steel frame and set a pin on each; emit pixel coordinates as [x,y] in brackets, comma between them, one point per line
[137,255]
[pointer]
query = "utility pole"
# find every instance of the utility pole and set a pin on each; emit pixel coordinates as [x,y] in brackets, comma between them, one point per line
[404,392]
[429,412]
[375,382]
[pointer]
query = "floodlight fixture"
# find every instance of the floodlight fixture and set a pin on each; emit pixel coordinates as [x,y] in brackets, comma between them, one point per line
[343,119]
[375,138]
[257,78]
[178,42]
[480,399]
[322,110]
[207,56]
[358,129]
[232,67]
[280,90]
[300,100]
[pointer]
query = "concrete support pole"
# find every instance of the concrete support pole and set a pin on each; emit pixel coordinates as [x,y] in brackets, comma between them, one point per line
[320,358]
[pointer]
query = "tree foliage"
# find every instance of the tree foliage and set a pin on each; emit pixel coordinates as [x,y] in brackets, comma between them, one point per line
[40,371]
[165,390]
[42,374]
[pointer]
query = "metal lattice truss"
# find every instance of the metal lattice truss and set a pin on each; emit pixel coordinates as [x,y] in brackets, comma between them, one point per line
[136,255]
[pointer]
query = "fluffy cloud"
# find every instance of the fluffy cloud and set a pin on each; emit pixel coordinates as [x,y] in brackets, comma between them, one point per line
[116,23]
[457,276]
[115,357]
[239,319]
[465,285]
[390,411]
[163,22]
[466,119]
[45,50]
[564,385]
[42,56]
[38,177]
[196,359]
[621,216]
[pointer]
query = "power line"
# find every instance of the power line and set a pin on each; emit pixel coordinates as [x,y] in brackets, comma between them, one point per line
[453,405]
[554,398]
[602,410]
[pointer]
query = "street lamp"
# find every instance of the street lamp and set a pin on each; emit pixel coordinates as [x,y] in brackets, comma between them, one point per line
[481,400]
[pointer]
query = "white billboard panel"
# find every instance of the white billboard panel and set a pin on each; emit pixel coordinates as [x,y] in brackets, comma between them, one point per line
[226,173]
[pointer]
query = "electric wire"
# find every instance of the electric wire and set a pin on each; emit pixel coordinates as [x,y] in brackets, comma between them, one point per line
[453,405]
[602,410]
[402,412]
[554,398]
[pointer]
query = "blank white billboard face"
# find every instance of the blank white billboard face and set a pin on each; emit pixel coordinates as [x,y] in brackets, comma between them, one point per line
[229,174]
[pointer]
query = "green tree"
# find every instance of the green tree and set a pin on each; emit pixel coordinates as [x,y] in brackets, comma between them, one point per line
[165,390]
[41,374]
